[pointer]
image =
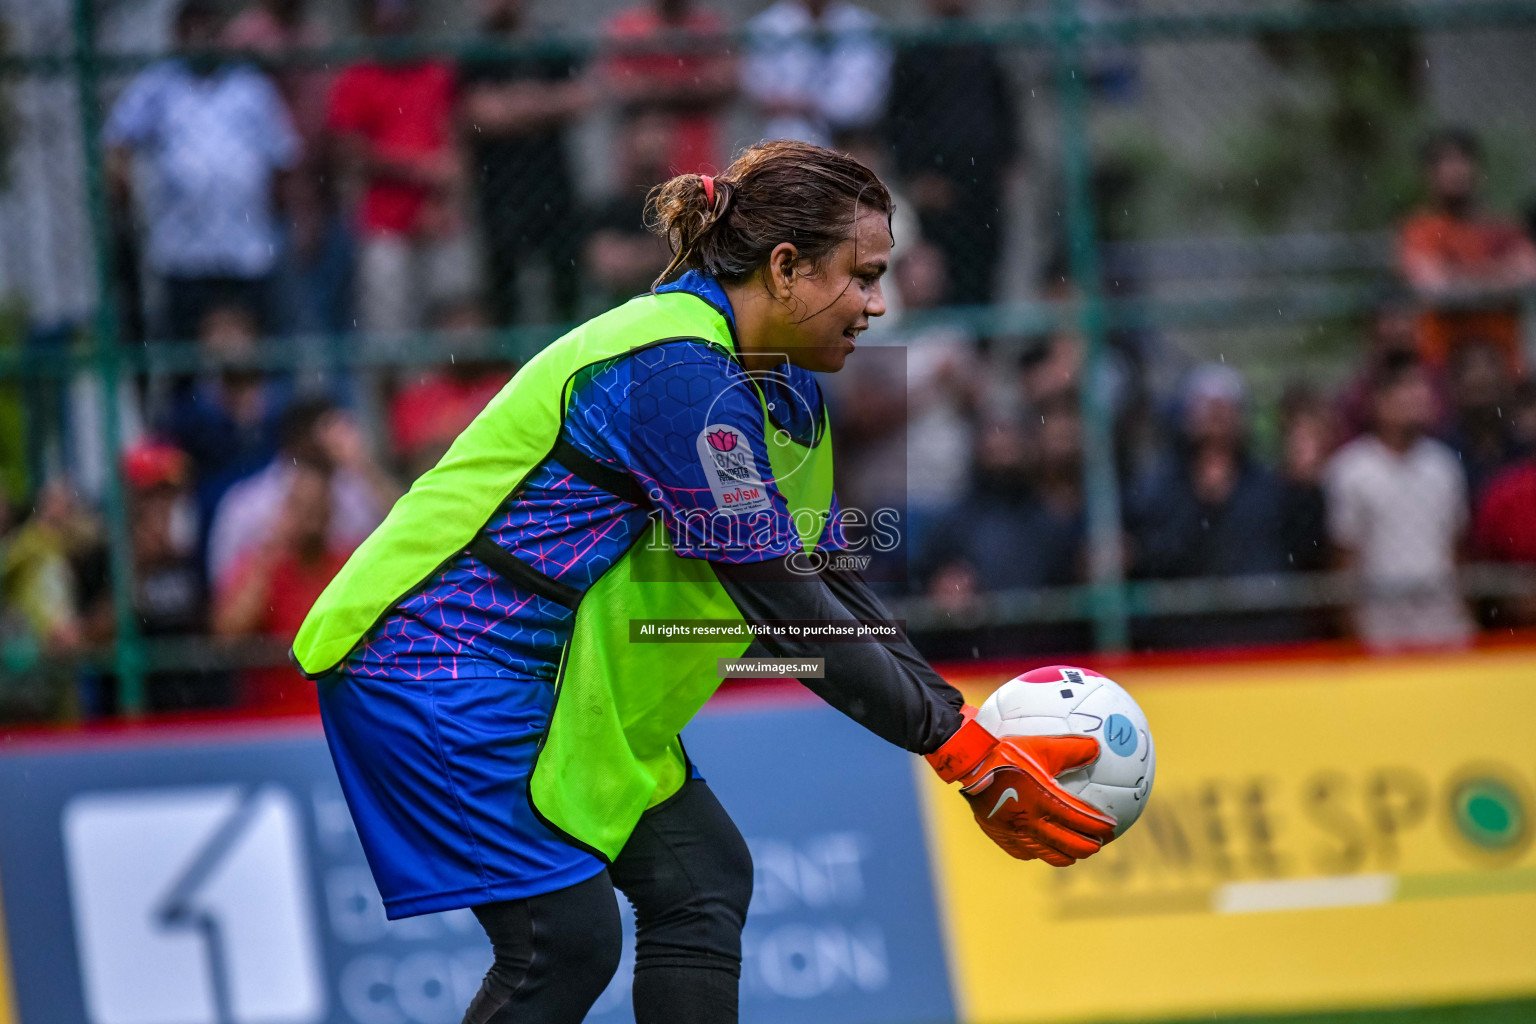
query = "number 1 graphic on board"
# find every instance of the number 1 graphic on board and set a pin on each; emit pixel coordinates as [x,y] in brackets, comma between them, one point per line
[180,907]
[192,904]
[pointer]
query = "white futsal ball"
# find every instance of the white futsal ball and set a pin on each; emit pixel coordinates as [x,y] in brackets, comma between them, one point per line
[1061,700]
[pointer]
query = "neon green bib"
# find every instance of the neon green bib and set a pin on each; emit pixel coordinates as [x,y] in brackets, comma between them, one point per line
[612,746]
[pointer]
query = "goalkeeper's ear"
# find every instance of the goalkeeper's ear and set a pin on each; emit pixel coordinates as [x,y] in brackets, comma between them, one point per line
[779,275]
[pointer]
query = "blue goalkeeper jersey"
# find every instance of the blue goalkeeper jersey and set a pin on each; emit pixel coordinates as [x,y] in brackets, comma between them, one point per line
[648,413]
[435,720]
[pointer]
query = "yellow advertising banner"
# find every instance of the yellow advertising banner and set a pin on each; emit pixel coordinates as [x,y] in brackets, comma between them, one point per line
[7,1000]
[1322,834]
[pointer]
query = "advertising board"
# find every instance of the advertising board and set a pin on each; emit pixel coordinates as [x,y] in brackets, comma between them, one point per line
[1322,834]
[216,878]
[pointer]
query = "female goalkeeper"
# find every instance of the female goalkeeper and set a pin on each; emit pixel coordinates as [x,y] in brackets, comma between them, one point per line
[502,739]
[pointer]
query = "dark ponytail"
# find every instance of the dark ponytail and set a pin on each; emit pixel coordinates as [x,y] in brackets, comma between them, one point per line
[781,191]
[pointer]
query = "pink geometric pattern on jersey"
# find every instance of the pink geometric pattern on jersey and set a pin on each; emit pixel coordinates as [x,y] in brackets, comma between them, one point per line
[467,619]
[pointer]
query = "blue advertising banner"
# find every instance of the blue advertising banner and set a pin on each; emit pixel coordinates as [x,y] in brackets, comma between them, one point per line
[213,879]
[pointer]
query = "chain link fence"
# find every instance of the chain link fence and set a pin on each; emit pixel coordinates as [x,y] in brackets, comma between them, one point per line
[1216,317]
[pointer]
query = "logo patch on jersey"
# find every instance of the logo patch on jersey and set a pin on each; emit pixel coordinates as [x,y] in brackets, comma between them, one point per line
[729,466]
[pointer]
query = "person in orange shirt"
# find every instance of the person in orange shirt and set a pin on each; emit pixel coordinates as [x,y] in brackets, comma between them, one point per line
[1464,265]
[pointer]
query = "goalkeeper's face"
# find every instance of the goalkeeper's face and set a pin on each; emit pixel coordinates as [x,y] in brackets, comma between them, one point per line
[832,305]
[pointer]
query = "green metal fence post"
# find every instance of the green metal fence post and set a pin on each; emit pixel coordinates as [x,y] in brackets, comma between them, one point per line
[1106,566]
[129,658]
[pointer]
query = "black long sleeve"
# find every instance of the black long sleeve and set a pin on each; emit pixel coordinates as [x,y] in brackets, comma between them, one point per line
[885,686]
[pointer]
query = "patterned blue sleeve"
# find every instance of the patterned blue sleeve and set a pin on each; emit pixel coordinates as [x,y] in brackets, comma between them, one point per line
[686,421]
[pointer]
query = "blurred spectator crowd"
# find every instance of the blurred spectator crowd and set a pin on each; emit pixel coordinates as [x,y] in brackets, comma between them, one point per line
[410,203]
[1423,461]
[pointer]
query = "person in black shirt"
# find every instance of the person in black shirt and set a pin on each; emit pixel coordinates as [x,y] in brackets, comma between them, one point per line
[953,125]
[1210,509]
[1022,526]
[1306,439]
[516,111]
[169,596]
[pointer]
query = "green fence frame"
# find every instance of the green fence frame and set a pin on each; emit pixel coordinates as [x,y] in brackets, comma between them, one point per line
[1063,33]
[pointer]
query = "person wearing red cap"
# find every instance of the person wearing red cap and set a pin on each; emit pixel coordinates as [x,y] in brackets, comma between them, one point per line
[153,464]
[169,598]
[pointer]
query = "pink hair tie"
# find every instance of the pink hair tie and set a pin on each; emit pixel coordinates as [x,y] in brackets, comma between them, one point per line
[709,190]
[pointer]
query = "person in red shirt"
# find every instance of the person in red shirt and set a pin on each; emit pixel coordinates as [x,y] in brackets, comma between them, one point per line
[1505,531]
[273,587]
[1505,527]
[431,411]
[394,124]
[1506,521]
[1463,264]
[649,71]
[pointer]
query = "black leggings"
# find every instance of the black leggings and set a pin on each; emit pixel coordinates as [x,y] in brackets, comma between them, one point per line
[687,873]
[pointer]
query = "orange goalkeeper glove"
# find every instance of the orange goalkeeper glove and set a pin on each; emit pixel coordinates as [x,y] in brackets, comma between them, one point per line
[1012,789]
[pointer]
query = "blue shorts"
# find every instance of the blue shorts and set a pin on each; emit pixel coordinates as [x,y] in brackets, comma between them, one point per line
[436,776]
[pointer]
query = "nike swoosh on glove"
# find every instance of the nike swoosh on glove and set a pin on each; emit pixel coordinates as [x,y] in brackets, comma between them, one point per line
[1011,786]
